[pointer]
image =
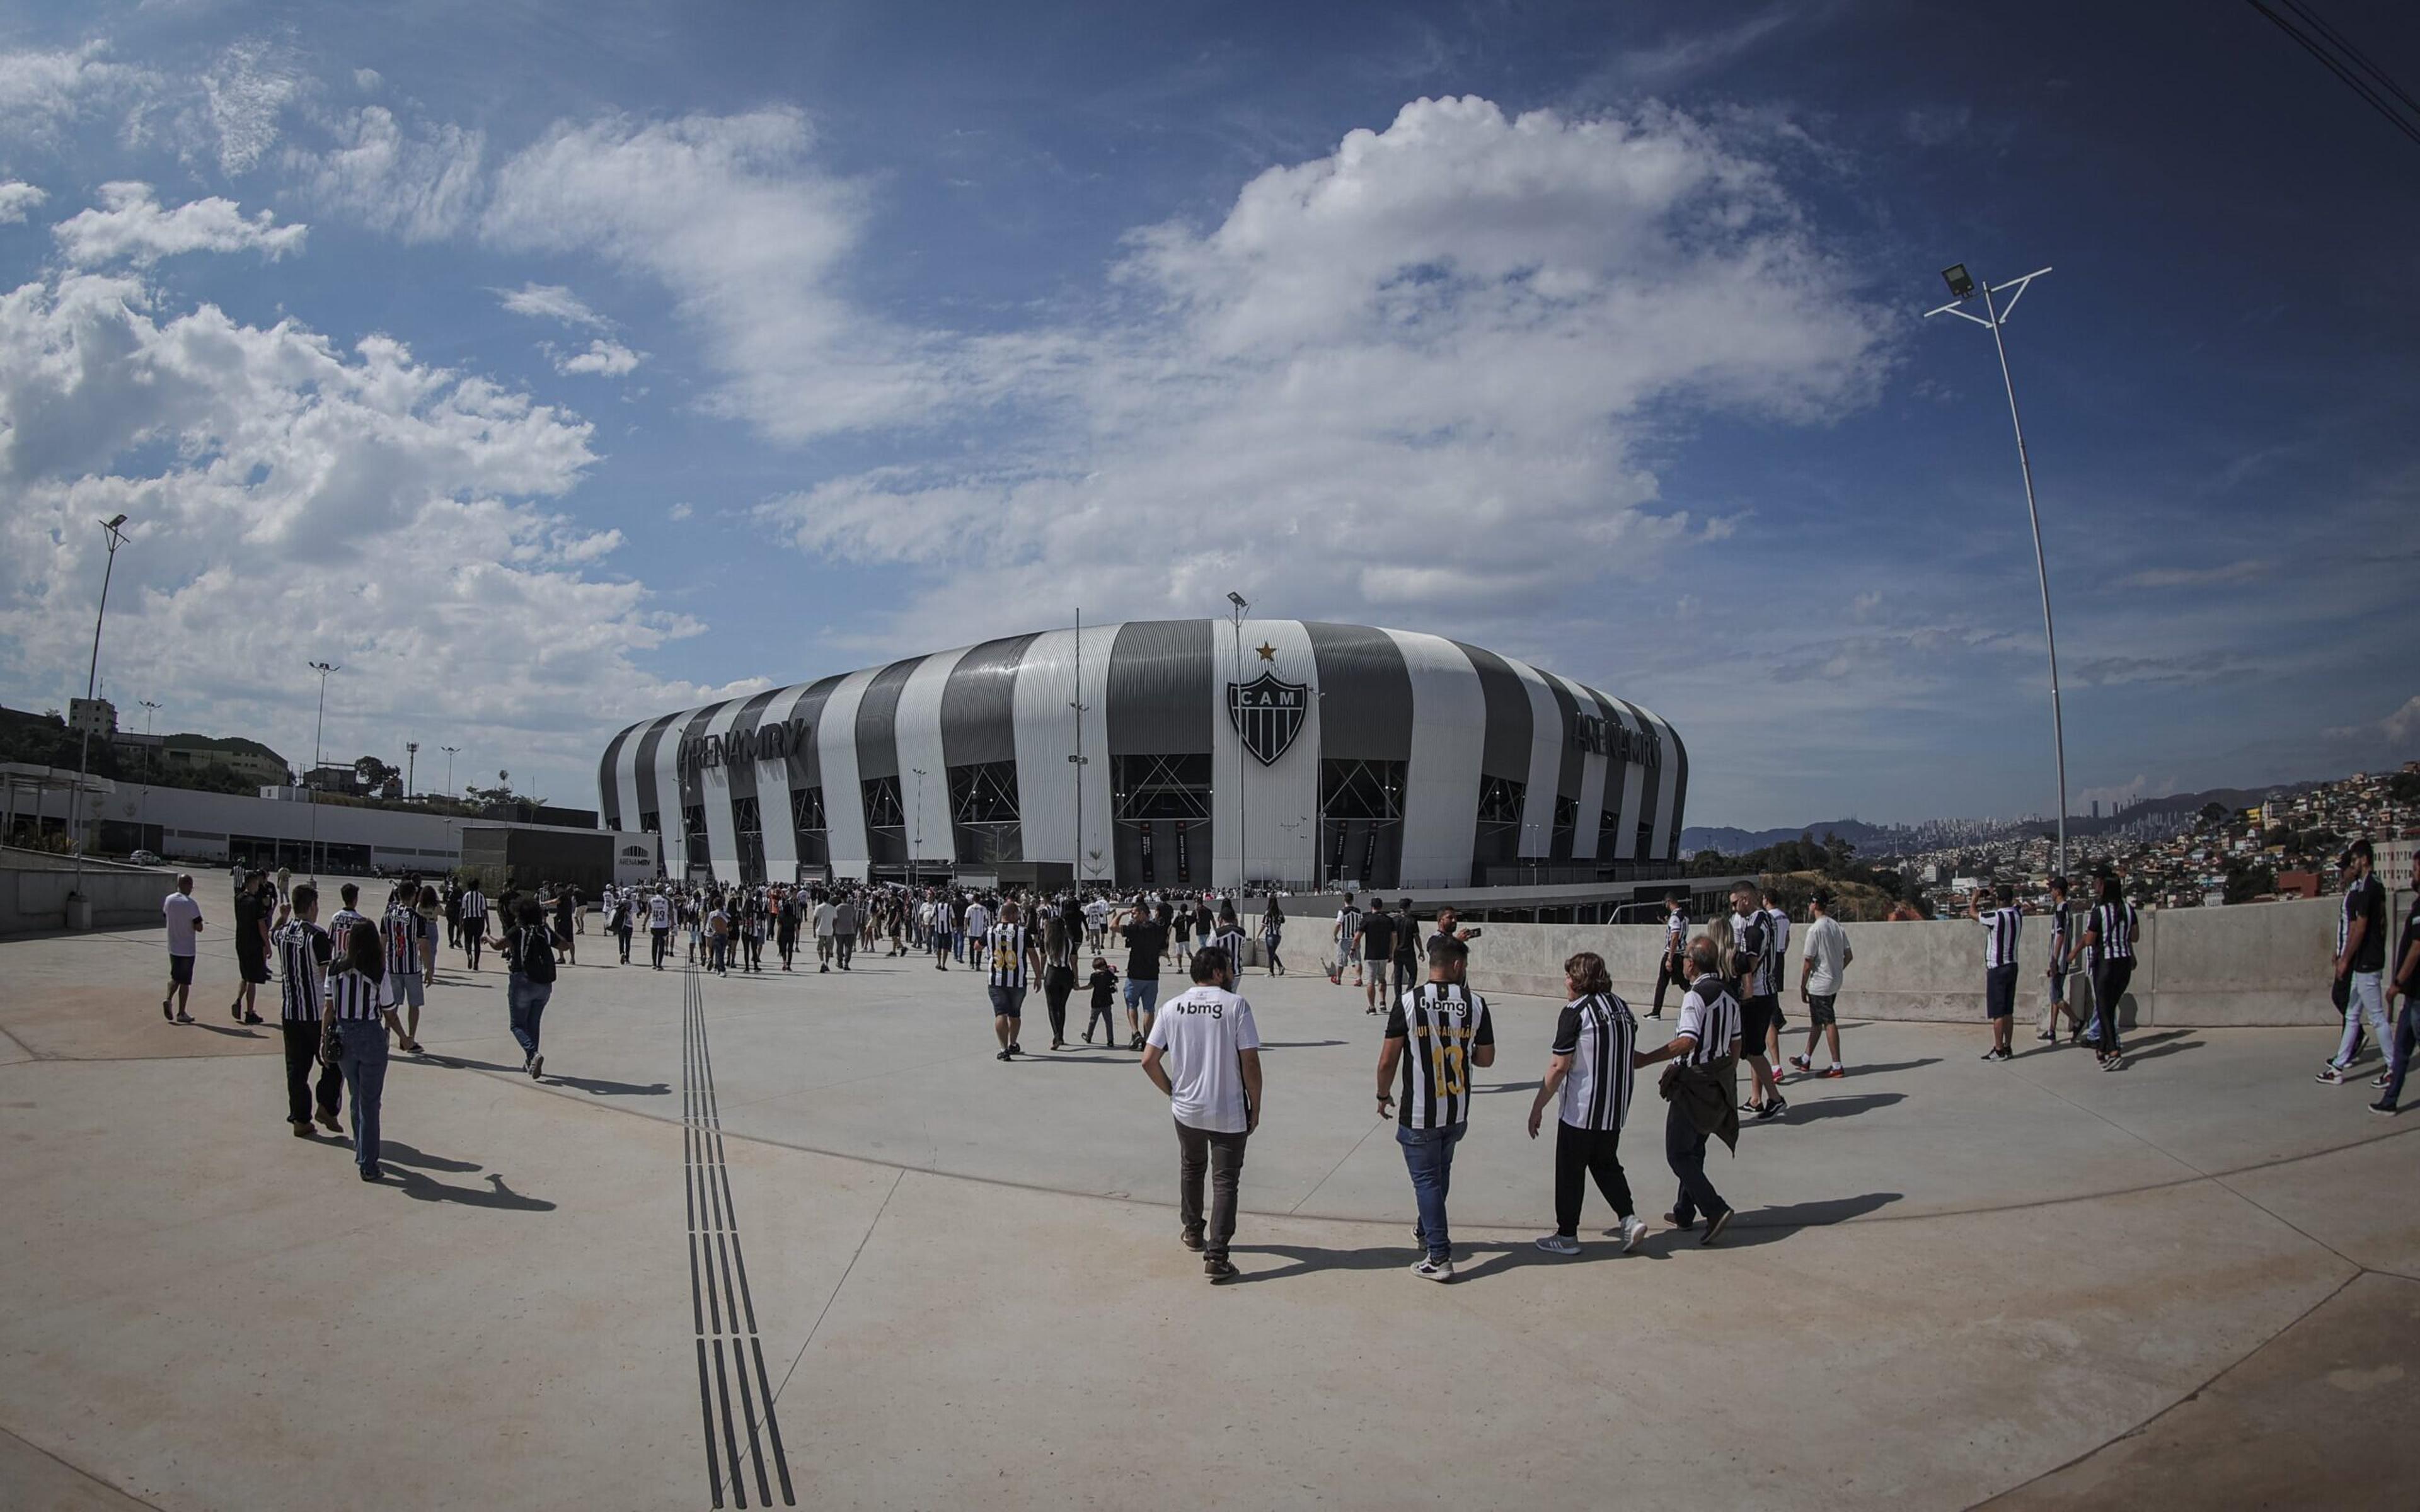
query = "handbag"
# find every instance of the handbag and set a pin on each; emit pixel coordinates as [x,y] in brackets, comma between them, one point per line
[331,1049]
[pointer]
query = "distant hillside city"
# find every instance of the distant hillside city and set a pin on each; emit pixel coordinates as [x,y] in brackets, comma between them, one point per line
[2224,846]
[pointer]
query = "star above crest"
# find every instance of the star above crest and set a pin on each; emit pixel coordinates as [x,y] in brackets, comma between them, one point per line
[1269,652]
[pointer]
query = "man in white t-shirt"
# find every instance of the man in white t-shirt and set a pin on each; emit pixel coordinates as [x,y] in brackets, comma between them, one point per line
[1820,975]
[184,917]
[1204,1053]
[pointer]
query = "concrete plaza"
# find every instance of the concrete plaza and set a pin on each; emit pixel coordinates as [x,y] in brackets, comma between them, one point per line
[955,1282]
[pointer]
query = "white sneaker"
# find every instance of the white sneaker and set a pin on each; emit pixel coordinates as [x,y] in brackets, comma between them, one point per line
[1429,1269]
[1632,1230]
[1559,1245]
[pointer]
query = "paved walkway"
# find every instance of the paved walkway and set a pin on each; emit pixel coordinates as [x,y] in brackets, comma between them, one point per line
[840,1248]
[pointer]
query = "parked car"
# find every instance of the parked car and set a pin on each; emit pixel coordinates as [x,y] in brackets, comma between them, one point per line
[145,859]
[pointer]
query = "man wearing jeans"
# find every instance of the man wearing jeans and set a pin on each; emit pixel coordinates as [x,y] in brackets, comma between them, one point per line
[1445,1028]
[1204,1052]
[2360,965]
[529,956]
[2407,1024]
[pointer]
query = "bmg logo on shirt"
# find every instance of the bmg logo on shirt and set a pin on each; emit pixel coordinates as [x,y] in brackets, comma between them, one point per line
[1213,1009]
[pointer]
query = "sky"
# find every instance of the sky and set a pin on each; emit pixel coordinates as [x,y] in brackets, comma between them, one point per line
[553,367]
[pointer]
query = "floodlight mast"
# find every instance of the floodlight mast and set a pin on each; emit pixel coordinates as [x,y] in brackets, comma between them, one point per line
[1964,286]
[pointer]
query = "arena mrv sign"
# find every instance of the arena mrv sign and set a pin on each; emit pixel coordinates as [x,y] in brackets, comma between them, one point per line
[765,743]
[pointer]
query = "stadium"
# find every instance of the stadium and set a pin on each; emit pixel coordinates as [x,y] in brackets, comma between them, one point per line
[1169,753]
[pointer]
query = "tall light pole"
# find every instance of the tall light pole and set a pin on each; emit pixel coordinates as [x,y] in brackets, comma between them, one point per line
[91,687]
[410,765]
[1963,288]
[149,708]
[1078,704]
[451,751]
[323,669]
[1242,852]
[916,847]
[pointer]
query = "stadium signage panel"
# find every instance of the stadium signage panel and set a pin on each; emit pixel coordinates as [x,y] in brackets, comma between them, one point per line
[1603,737]
[765,743]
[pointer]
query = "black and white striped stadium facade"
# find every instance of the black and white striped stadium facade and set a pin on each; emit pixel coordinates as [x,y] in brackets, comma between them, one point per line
[1382,758]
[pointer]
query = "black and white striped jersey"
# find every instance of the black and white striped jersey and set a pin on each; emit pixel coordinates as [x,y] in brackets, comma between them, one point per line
[2115,924]
[2058,932]
[474,906]
[1710,1015]
[303,951]
[340,928]
[1440,1024]
[402,941]
[1780,935]
[1230,939]
[1348,924]
[1006,943]
[1599,1034]
[1675,930]
[1752,936]
[354,996]
[2000,930]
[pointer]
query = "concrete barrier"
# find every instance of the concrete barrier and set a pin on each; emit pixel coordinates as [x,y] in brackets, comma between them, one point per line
[34,888]
[2251,965]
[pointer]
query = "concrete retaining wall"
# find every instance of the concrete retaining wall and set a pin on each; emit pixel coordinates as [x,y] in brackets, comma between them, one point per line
[2255,964]
[34,893]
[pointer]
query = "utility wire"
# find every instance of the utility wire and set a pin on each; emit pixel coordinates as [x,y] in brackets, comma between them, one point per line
[2351,80]
[2344,44]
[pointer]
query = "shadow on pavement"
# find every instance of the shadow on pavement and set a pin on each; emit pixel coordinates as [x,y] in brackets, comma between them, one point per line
[1301,1044]
[1834,1107]
[403,1154]
[594,1086]
[496,1195]
[230,1030]
[1887,1066]
[1506,1087]
[1772,1224]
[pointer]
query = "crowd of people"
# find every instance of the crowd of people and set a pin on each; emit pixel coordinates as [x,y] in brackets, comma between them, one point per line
[350,985]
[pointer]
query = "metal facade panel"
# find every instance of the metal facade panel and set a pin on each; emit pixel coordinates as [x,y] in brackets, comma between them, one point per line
[646,795]
[1668,777]
[1679,759]
[836,755]
[1593,772]
[718,785]
[877,718]
[1650,806]
[1449,734]
[1546,746]
[1634,778]
[1505,751]
[1280,794]
[979,706]
[1160,690]
[1043,689]
[917,735]
[1365,694]
[799,769]
[609,783]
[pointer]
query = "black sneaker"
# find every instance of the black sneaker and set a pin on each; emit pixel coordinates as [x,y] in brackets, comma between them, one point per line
[1002,1056]
[1678,1221]
[1191,1241]
[2383,1108]
[1015,1049]
[537,1065]
[1716,1226]
[1771,1110]
[1218,1270]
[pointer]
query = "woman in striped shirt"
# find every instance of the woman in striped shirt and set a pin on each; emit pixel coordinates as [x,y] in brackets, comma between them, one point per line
[2109,942]
[359,1012]
[1591,1073]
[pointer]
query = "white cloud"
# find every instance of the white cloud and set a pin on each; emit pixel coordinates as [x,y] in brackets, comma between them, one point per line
[243,93]
[680,512]
[131,226]
[368,81]
[2232,572]
[1432,359]
[17,200]
[41,92]
[422,187]
[605,359]
[552,301]
[289,498]
[732,216]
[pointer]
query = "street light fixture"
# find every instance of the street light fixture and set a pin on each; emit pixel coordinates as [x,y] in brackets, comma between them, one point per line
[1076,860]
[918,848]
[149,708]
[451,751]
[410,765]
[1242,852]
[109,526]
[1963,286]
[323,669]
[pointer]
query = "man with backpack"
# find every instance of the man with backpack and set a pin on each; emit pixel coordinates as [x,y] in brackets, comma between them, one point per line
[529,957]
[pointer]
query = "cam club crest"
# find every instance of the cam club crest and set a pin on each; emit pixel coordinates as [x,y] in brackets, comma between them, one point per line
[1267,712]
